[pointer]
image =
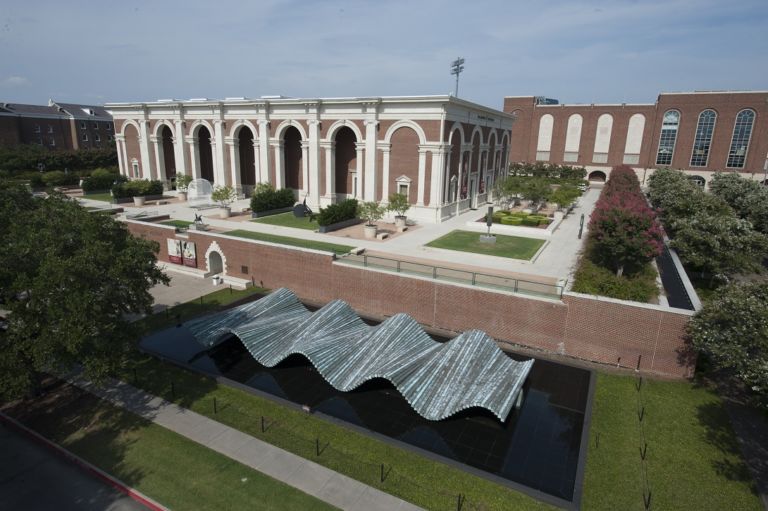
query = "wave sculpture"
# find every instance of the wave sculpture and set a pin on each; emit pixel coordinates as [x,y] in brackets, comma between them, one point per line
[437,379]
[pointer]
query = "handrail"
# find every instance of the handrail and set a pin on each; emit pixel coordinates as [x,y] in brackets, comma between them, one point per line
[474,278]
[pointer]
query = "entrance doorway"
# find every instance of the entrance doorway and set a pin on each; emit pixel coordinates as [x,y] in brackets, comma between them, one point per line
[215,264]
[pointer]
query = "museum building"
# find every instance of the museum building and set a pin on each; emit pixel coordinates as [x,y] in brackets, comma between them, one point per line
[444,153]
[698,132]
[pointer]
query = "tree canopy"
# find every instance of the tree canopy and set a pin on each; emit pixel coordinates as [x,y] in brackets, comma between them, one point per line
[68,279]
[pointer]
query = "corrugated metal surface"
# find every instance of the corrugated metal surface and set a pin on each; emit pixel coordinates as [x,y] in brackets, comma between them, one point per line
[437,379]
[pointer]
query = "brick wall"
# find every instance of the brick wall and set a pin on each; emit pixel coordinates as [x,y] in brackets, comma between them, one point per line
[605,331]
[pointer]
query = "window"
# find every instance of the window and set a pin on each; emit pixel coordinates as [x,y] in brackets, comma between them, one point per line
[135,168]
[95,125]
[403,184]
[742,132]
[602,138]
[634,142]
[83,125]
[573,138]
[97,138]
[85,137]
[544,144]
[109,126]
[402,189]
[50,129]
[37,128]
[668,137]
[704,131]
[53,142]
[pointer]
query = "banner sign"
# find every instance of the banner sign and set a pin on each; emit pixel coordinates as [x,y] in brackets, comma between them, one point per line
[174,251]
[189,255]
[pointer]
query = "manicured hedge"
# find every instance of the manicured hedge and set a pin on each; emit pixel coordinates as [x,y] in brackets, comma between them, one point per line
[59,178]
[334,213]
[594,280]
[511,220]
[101,179]
[266,198]
[137,188]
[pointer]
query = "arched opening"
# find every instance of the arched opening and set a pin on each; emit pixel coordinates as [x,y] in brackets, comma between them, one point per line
[215,264]
[597,176]
[247,159]
[169,158]
[346,162]
[453,167]
[292,158]
[404,158]
[132,150]
[205,154]
[698,180]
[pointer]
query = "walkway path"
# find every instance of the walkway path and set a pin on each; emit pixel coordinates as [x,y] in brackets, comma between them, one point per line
[325,484]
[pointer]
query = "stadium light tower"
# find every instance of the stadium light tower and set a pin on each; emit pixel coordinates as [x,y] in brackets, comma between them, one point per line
[457,66]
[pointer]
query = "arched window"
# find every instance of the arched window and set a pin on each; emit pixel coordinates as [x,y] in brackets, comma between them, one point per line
[634,139]
[742,132]
[668,137]
[701,144]
[545,137]
[602,138]
[573,138]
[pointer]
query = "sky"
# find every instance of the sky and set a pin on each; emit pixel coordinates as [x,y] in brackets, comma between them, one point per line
[612,51]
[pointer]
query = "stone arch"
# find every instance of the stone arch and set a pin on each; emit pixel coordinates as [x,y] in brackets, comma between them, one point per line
[240,123]
[202,132]
[166,156]
[195,127]
[597,176]
[456,126]
[406,123]
[404,158]
[127,123]
[214,248]
[336,126]
[345,161]
[452,165]
[290,122]
[246,160]
[130,132]
[292,157]
[159,126]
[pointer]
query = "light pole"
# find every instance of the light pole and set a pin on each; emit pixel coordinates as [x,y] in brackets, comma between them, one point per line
[457,66]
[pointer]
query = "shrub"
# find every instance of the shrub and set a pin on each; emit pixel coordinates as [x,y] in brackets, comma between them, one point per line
[266,198]
[59,178]
[182,182]
[137,188]
[594,280]
[398,204]
[35,178]
[511,220]
[101,179]
[224,195]
[371,211]
[334,213]
[529,221]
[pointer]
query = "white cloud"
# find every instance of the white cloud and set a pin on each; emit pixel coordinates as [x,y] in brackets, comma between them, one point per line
[15,81]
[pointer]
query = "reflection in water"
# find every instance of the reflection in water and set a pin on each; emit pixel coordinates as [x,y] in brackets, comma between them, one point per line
[537,446]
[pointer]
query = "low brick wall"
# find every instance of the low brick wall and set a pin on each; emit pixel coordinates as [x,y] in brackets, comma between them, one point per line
[602,330]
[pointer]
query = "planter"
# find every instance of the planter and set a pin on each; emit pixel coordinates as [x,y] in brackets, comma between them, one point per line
[339,225]
[126,200]
[139,200]
[400,221]
[182,196]
[224,212]
[270,212]
[370,232]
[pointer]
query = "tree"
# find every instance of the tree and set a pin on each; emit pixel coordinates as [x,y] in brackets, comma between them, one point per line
[749,199]
[68,279]
[224,195]
[719,244]
[565,195]
[371,211]
[536,190]
[398,204]
[732,330]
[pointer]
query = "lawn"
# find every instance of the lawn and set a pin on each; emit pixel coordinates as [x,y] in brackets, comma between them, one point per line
[177,223]
[294,242]
[288,220]
[513,247]
[692,461]
[167,467]
[102,196]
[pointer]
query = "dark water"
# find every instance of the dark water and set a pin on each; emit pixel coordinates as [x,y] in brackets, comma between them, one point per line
[538,445]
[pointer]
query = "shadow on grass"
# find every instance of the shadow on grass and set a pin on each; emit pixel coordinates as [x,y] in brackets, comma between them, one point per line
[720,434]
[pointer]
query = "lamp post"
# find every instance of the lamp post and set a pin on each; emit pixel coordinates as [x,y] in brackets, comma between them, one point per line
[457,66]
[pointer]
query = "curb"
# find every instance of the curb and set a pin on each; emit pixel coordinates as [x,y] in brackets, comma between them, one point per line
[84,465]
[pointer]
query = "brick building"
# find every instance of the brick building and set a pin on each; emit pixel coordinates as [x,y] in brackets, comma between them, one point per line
[56,125]
[699,132]
[442,152]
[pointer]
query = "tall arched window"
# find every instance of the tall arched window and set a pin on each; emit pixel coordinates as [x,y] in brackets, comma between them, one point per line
[742,132]
[545,137]
[602,138]
[668,137]
[634,139]
[573,138]
[701,144]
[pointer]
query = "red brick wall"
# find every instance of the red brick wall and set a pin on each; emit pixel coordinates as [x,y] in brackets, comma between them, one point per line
[580,326]
[404,160]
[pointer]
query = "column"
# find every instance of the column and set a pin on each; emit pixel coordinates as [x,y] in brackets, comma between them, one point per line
[277,145]
[370,161]
[438,176]
[219,153]
[180,153]
[385,151]
[194,157]
[330,170]
[314,163]
[146,165]
[256,159]
[121,162]
[159,161]
[234,161]
[264,151]
[422,175]
[304,169]
[361,183]
[447,178]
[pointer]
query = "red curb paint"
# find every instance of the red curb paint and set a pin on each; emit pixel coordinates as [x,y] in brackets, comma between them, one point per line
[84,465]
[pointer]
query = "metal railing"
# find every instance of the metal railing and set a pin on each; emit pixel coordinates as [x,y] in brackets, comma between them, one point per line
[454,275]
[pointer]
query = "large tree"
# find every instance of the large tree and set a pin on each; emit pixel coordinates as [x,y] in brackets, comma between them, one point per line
[732,330]
[68,280]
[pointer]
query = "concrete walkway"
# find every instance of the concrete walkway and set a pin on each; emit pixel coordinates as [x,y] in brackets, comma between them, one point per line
[325,484]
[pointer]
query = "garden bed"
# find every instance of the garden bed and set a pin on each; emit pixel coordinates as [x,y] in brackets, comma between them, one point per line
[270,212]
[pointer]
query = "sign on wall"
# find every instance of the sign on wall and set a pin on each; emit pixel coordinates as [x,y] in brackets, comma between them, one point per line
[189,255]
[174,251]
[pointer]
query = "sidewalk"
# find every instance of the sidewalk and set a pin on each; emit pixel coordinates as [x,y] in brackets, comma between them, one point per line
[325,484]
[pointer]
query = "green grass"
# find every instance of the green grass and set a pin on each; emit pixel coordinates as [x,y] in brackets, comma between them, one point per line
[167,467]
[102,196]
[294,242]
[513,247]
[177,223]
[288,220]
[693,459]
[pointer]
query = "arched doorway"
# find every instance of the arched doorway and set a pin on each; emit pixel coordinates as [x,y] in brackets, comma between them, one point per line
[454,159]
[247,160]
[597,176]
[205,154]
[215,264]
[404,162]
[346,162]
[698,180]
[168,157]
[292,158]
